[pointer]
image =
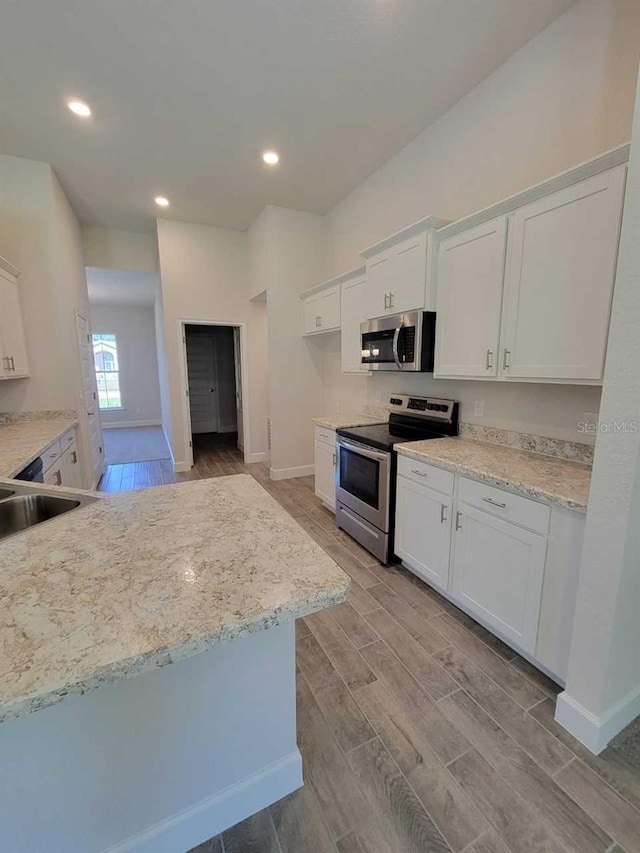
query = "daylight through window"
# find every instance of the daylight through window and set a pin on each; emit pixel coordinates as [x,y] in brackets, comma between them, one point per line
[105,356]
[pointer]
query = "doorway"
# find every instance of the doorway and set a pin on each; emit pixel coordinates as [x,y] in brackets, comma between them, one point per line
[213,360]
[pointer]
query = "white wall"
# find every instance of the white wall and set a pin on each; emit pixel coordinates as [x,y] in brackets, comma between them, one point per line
[564,97]
[204,276]
[40,234]
[603,684]
[111,248]
[134,328]
[287,251]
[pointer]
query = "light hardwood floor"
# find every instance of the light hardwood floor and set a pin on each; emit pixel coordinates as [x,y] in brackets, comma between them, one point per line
[420,731]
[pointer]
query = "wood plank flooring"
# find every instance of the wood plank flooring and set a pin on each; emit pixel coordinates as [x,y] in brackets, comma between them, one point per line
[420,731]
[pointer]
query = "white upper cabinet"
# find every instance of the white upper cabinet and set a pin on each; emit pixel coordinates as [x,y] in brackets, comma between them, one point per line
[352,293]
[541,311]
[559,281]
[397,270]
[470,275]
[13,351]
[321,310]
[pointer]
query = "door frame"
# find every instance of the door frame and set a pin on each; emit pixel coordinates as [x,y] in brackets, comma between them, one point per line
[184,380]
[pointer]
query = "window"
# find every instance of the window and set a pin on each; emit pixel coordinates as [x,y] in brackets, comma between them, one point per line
[105,356]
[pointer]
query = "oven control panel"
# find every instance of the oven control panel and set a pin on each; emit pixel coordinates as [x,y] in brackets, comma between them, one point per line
[425,407]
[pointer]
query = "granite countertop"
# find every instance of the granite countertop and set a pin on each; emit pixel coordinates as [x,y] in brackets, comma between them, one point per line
[23,441]
[339,421]
[138,580]
[558,481]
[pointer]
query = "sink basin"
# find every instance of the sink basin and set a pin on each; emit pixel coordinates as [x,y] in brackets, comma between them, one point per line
[24,511]
[6,493]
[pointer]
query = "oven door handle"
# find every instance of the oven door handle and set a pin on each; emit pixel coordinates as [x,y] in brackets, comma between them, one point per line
[396,338]
[379,455]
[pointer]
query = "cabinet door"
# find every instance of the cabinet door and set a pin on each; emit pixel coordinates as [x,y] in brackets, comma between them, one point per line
[325,465]
[498,569]
[311,315]
[329,309]
[14,351]
[469,300]
[351,315]
[559,282]
[407,290]
[423,531]
[378,285]
[70,467]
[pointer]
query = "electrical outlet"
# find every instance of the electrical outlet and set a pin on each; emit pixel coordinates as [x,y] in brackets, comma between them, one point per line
[478,408]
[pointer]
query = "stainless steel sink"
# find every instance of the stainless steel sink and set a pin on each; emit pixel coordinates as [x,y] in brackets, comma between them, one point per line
[6,493]
[24,511]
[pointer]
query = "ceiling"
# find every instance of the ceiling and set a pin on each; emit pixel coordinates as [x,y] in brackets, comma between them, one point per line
[121,287]
[186,94]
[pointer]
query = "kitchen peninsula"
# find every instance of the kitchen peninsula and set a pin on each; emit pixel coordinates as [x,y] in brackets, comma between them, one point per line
[147,673]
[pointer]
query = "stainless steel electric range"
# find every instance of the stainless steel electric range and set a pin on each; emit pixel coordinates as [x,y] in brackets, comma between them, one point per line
[366,467]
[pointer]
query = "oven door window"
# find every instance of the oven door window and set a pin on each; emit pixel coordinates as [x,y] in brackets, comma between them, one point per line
[360,476]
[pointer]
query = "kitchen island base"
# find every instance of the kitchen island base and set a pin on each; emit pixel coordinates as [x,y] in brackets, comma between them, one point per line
[159,762]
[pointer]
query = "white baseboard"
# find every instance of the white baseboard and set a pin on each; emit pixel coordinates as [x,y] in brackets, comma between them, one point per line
[128,424]
[289,473]
[594,731]
[226,808]
[257,457]
[181,467]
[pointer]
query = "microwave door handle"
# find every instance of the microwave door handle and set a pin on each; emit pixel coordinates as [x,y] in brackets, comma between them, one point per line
[396,339]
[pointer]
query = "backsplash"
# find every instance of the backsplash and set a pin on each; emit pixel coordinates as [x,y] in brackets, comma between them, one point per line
[556,447]
[45,415]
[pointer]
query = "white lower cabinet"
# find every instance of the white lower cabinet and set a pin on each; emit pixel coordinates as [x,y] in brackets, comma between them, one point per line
[498,570]
[61,466]
[70,467]
[325,466]
[423,531]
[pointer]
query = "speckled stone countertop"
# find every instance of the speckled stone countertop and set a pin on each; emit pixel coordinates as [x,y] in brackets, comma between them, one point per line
[23,441]
[557,481]
[138,580]
[344,421]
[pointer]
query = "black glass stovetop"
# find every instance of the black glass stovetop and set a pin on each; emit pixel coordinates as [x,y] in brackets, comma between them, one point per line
[384,436]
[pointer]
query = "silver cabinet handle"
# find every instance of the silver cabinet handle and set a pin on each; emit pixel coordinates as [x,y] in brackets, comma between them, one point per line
[335,459]
[13,364]
[458,522]
[489,359]
[7,363]
[505,359]
[392,296]
[494,503]
[386,301]
[74,457]
[58,477]
[419,473]
[318,320]
[443,513]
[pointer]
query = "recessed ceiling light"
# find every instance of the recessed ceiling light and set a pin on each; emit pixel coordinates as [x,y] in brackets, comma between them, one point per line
[79,108]
[161,201]
[271,157]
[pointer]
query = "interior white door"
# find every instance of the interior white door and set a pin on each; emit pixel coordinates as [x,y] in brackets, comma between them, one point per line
[237,357]
[325,466]
[202,377]
[498,569]
[351,315]
[469,300]
[560,279]
[423,531]
[14,350]
[90,397]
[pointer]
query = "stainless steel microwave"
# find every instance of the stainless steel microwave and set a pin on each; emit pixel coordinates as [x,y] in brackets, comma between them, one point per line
[400,342]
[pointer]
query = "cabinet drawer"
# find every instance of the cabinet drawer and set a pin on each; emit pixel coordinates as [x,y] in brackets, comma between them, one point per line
[51,454]
[326,436]
[426,475]
[505,505]
[67,440]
